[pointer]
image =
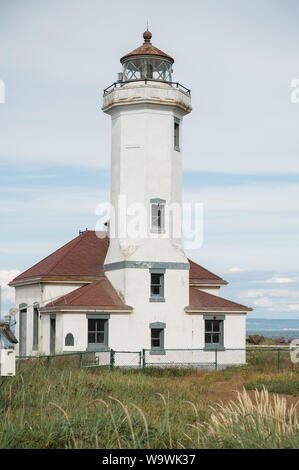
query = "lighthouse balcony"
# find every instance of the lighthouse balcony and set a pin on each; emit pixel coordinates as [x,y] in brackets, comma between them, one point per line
[147,91]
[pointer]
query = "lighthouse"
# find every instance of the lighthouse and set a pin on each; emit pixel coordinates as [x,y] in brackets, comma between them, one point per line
[132,289]
[145,261]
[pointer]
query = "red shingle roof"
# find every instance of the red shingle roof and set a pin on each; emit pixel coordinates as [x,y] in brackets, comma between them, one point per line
[147,49]
[199,300]
[198,273]
[81,258]
[99,294]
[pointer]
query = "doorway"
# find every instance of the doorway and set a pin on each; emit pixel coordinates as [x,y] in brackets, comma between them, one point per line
[52,333]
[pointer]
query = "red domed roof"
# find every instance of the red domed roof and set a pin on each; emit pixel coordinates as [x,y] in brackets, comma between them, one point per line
[147,49]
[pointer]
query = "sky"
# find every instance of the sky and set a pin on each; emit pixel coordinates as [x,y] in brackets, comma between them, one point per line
[240,143]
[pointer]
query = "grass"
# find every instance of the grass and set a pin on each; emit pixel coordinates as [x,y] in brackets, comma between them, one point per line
[59,405]
[285,383]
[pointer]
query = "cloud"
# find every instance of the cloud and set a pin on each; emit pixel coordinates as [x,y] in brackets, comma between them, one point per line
[279,280]
[254,293]
[7,275]
[294,307]
[235,270]
[263,302]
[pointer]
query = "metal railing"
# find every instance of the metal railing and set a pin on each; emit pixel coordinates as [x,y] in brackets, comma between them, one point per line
[119,84]
[278,358]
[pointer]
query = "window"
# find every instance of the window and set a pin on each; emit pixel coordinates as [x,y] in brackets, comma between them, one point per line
[141,68]
[158,218]
[214,333]
[69,340]
[35,327]
[157,286]
[176,134]
[157,337]
[97,333]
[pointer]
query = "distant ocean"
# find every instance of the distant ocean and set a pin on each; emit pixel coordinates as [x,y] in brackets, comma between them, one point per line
[273,328]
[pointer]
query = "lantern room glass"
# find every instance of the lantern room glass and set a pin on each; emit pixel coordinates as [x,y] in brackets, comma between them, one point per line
[151,68]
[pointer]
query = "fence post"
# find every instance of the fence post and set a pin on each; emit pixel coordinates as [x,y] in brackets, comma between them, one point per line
[81,357]
[278,359]
[143,361]
[216,359]
[112,352]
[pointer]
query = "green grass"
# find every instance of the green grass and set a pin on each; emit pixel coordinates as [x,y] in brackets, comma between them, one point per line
[286,383]
[58,405]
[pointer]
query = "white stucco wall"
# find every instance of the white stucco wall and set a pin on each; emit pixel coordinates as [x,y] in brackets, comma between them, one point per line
[209,290]
[41,294]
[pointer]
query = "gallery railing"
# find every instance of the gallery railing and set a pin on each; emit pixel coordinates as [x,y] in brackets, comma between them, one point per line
[119,84]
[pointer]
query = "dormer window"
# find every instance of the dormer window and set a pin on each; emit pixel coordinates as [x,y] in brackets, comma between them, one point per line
[157,215]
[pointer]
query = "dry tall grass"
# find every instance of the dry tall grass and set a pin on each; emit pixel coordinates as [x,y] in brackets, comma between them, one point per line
[261,421]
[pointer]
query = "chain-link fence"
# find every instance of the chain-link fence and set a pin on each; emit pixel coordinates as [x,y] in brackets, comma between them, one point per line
[262,359]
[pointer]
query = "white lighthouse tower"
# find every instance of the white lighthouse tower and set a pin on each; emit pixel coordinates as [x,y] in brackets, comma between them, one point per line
[145,261]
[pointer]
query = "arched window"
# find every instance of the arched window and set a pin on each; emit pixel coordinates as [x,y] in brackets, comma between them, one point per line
[69,340]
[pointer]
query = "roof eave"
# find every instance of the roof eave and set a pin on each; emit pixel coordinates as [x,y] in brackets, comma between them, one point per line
[191,309]
[196,282]
[158,56]
[48,278]
[86,309]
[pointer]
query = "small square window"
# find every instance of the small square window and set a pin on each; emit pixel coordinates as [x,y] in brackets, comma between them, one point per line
[97,332]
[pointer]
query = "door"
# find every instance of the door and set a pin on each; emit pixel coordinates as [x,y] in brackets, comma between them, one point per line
[52,334]
[22,332]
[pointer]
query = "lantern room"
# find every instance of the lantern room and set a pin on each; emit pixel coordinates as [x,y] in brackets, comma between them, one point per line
[147,63]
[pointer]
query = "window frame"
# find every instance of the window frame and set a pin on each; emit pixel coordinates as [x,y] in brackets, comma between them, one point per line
[214,318]
[161,207]
[98,346]
[157,327]
[157,297]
